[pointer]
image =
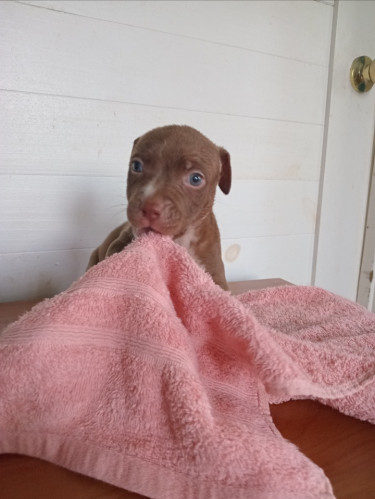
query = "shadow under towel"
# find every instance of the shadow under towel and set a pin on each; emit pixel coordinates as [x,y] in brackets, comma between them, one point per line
[147,375]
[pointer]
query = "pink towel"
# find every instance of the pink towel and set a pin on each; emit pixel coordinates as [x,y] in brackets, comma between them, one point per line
[147,375]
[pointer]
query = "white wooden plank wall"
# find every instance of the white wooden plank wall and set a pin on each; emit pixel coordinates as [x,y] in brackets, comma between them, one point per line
[80,80]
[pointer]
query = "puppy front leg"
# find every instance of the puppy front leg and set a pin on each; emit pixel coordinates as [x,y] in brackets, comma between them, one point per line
[113,243]
[125,237]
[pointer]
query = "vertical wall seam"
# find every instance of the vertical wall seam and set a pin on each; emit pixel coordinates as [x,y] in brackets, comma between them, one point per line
[325,142]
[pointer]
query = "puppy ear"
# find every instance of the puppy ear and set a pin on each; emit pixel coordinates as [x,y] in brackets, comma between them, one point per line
[136,140]
[226,171]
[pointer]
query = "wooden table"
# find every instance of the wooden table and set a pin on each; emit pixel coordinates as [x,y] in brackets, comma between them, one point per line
[344,447]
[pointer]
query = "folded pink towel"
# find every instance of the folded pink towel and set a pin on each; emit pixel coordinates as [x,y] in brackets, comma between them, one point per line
[147,375]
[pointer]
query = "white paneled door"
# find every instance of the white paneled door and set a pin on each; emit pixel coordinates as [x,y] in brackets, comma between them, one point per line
[347,162]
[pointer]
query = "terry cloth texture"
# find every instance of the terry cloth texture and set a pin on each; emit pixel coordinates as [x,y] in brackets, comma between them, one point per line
[147,375]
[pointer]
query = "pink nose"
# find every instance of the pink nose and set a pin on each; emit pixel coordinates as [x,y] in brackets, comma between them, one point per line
[151,210]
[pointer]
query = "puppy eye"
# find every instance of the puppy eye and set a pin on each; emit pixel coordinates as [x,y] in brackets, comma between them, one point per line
[196,179]
[136,166]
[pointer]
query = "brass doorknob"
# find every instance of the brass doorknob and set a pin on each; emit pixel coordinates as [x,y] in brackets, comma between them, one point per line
[362,73]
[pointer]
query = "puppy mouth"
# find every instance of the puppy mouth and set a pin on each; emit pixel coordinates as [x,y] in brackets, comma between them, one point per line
[146,230]
[153,219]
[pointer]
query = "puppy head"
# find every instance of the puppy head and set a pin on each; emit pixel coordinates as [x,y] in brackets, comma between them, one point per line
[173,175]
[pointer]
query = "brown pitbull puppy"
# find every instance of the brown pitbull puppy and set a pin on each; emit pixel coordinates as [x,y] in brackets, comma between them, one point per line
[172,179]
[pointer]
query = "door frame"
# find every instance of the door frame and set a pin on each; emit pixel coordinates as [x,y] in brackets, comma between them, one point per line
[366,281]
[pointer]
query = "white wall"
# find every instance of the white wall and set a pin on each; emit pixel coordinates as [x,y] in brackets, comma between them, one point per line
[80,80]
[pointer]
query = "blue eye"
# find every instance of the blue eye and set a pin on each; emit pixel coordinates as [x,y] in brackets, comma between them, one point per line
[136,166]
[195,179]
